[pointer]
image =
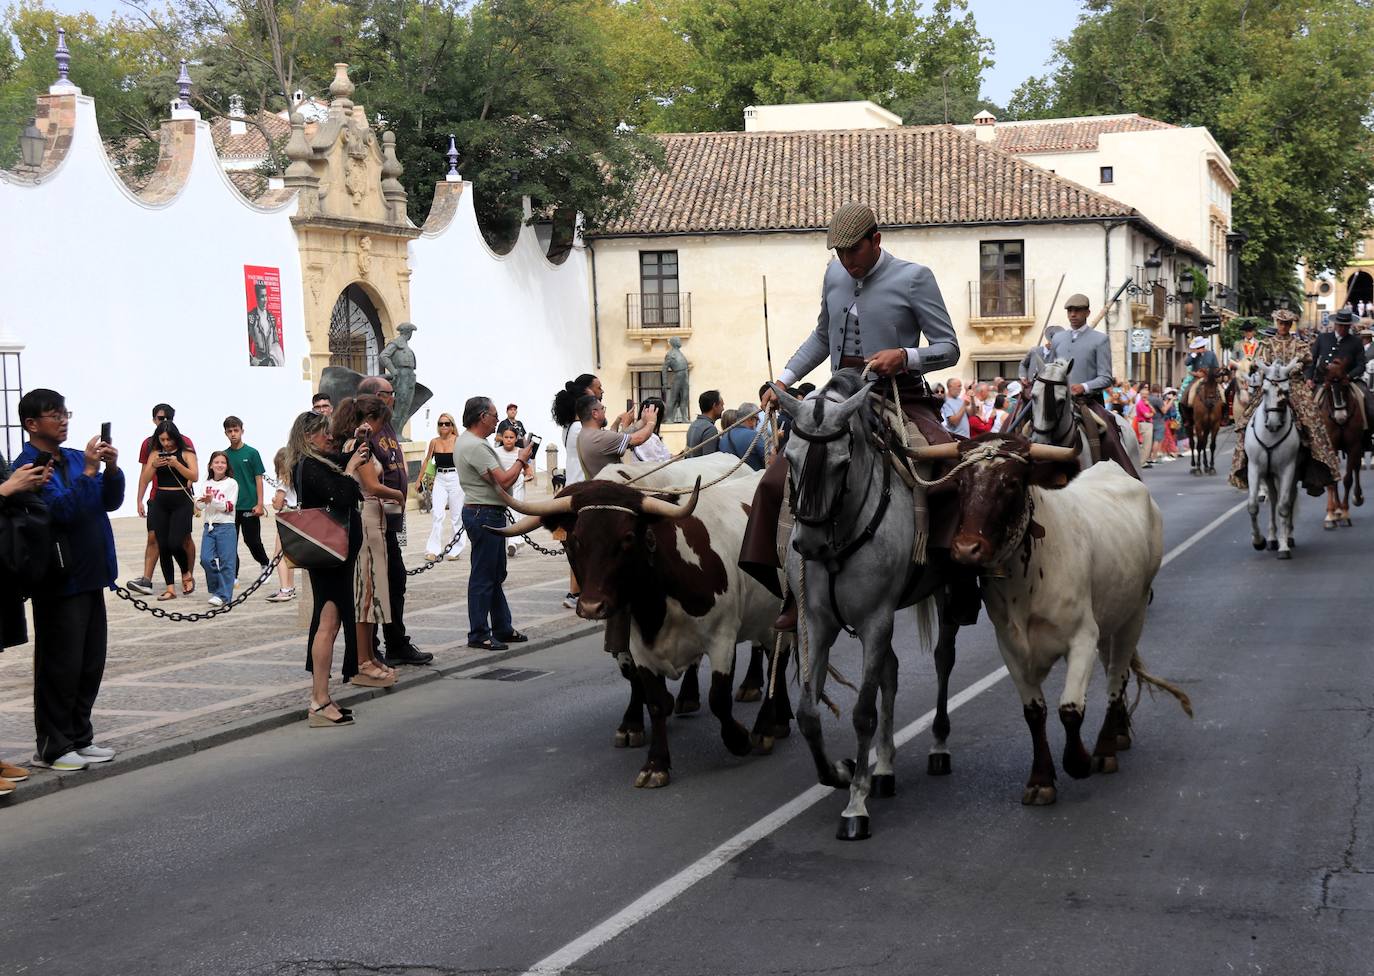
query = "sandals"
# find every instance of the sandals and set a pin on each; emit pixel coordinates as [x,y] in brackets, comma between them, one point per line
[319,720]
[168,594]
[373,675]
[188,585]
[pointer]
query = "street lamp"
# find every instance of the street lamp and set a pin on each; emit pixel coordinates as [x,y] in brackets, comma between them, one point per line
[31,144]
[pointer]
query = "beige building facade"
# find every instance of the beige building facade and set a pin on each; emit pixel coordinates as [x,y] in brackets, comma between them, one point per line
[735,214]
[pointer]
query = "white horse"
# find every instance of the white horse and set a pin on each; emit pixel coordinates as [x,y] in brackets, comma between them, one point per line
[1271,449]
[1055,421]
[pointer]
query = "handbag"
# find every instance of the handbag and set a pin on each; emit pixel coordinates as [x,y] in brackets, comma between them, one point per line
[312,538]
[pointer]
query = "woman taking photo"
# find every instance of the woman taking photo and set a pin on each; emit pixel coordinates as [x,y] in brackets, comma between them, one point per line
[172,466]
[653,449]
[447,493]
[564,414]
[356,420]
[324,479]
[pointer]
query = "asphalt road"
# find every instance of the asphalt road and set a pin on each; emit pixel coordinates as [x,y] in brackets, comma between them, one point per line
[479,826]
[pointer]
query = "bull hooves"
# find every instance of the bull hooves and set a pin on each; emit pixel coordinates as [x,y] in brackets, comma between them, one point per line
[884,785]
[1105,764]
[763,744]
[1285,554]
[737,741]
[853,828]
[686,707]
[1273,545]
[1347,523]
[1259,545]
[937,764]
[1039,796]
[628,739]
[1123,742]
[651,779]
[1328,524]
[748,694]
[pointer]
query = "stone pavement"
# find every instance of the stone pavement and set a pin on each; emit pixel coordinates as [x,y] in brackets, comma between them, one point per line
[177,682]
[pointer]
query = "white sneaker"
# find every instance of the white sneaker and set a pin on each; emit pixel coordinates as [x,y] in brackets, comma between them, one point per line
[96,754]
[283,595]
[570,602]
[64,763]
[215,601]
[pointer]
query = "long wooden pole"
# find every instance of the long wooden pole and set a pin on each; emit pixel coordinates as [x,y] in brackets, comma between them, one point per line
[1053,301]
[767,339]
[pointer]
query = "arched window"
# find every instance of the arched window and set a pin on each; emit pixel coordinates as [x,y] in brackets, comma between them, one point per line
[355,333]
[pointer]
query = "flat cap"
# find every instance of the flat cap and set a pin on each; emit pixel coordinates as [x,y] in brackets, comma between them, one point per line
[1077,300]
[1285,315]
[851,224]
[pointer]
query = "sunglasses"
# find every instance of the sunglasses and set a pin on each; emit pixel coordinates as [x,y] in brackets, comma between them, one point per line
[446,423]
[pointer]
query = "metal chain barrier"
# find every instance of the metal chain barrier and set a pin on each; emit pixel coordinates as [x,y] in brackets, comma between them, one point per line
[179,617]
[542,550]
[442,554]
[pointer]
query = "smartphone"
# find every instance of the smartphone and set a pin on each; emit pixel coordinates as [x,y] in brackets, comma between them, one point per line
[42,459]
[629,406]
[105,432]
[534,440]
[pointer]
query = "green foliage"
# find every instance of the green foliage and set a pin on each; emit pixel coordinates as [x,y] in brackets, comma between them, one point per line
[1286,88]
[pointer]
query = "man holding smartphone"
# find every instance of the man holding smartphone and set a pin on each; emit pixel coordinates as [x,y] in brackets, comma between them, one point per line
[598,446]
[69,623]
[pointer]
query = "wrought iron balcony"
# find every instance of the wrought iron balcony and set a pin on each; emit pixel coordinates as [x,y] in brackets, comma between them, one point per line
[1001,299]
[653,310]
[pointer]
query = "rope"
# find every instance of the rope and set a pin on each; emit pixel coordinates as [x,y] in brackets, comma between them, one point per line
[984,452]
[681,455]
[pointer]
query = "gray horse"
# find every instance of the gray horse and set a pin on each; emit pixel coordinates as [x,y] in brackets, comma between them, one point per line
[1054,420]
[1271,451]
[850,563]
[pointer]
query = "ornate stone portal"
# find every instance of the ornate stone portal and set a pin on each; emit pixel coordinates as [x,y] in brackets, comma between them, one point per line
[350,221]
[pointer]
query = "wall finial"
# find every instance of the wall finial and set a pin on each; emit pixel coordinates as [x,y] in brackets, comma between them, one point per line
[184,87]
[63,58]
[453,176]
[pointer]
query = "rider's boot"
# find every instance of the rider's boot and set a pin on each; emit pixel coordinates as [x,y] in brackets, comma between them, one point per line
[787,620]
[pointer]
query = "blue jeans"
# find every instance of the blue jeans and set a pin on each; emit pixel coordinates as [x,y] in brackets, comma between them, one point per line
[219,554]
[486,600]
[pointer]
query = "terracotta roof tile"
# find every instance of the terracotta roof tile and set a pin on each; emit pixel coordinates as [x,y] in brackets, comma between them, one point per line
[250,144]
[719,182]
[250,183]
[1067,135]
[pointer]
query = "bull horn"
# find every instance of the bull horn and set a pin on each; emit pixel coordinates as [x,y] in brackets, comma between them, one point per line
[524,527]
[562,505]
[933,452]
[1052,452]
[786,401]
[657,506]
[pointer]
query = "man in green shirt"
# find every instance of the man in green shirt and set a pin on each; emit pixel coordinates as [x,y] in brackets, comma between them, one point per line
[480,473]
[245,467]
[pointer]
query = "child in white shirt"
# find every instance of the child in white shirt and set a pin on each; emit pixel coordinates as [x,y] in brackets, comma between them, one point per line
[219,542]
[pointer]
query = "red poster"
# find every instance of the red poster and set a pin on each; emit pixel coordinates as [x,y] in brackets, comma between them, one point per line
[262,287]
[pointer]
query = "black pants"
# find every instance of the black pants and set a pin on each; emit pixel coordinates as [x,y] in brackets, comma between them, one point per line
[250,528]
[395,632]
[69,635]
[169,516]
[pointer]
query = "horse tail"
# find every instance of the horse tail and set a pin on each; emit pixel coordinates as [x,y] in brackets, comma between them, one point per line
[1143,678]
[925,614]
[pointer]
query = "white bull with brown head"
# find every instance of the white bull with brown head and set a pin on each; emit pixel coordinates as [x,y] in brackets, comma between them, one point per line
[670,565]
[1068,576]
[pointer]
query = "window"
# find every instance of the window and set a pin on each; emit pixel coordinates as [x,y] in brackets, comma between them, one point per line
[659,304]
[1001,279]
[989,369]
[645,382]
[1105,174]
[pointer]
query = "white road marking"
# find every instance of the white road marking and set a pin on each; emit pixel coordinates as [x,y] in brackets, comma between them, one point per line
[665,892]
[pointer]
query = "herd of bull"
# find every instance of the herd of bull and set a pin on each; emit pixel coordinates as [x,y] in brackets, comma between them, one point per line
[1063,561]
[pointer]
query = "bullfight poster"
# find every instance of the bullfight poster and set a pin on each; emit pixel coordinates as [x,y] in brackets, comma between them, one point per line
[262,287]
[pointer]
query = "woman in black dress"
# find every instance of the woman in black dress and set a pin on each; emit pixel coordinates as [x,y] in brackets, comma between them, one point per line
[324,479]
[173,467]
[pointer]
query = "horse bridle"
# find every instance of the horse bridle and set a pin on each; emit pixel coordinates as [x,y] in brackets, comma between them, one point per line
[1060,404]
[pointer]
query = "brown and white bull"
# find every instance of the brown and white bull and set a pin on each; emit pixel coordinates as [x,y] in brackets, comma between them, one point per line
[670,565]
[1068,576]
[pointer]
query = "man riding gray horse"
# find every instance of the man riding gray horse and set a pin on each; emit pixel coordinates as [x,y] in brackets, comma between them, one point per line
[1272,446]
[864,544]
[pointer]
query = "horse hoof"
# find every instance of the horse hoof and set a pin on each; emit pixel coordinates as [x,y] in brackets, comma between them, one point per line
[1038,796]
[686,707]
[1291,543]
[853,828]
[651,779]
[748,694]
[763,744]
[884,785]
[621,740]
[1105,764]
[1273,545]
[1258,544]
[1285,554]
[937,764]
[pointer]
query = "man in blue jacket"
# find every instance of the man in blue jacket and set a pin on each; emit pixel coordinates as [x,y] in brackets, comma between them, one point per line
[69,610]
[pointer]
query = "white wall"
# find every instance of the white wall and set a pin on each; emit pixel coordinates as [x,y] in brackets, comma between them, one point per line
[513,327]
[123,304]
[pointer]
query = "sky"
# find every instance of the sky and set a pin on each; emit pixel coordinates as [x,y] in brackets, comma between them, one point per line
[1022,30]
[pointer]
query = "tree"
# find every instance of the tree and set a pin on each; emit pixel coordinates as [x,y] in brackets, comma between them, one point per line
[1034,98]
[1287,89]
[942,79]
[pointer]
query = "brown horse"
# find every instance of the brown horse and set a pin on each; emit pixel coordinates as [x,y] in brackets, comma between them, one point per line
[1206,417]
[1342,415]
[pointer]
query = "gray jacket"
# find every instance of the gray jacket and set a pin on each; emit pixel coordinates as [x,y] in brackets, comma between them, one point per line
[897,304]
[702,428]
[1091,352]
[1030,365]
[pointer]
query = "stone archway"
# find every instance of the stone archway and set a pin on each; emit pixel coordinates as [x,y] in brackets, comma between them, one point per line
[356,336]
[1359,288]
